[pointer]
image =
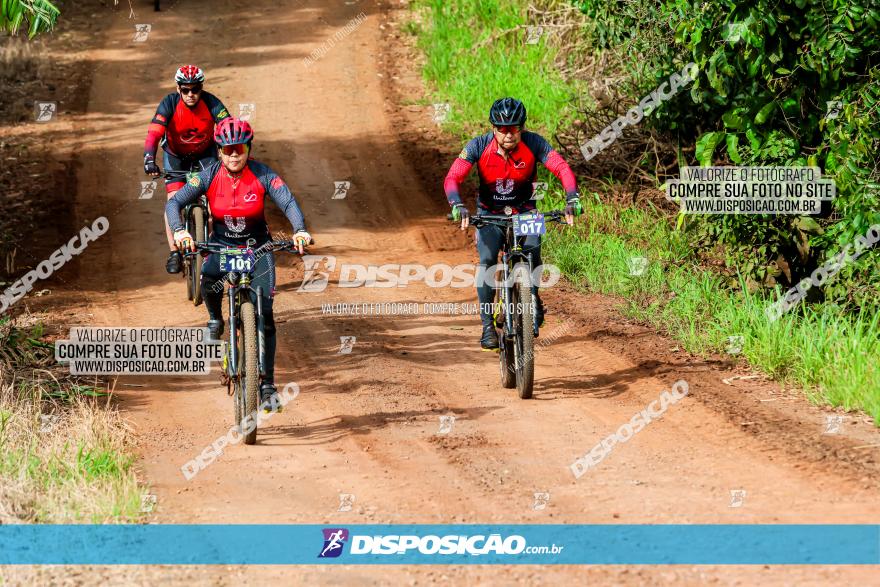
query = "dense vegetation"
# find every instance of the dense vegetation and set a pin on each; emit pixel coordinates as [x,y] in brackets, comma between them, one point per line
[767,72]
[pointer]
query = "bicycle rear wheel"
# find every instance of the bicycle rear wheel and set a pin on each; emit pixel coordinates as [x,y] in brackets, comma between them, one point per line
[525,335]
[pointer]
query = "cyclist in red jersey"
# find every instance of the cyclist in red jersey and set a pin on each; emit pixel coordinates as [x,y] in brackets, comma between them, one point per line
[506,160]
[184,126]
[236,188]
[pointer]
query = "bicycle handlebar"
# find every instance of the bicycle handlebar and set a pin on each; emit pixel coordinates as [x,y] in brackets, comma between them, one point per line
[288,246]
[503,219]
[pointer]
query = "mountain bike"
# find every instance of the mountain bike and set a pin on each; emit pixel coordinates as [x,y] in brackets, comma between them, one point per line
[515,302]
[194,220]
[244,365]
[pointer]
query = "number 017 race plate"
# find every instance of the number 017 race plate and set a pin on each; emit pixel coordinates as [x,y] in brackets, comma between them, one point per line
[529,224]
[237,260]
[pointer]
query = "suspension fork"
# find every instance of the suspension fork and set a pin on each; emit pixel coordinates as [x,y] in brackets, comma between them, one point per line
[532,294]
[510,250]
[233,335]
[519,247]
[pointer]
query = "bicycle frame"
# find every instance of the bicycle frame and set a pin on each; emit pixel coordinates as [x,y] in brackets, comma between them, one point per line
[240,286]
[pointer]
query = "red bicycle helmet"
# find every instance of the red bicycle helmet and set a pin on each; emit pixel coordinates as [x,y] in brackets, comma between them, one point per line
[232,131]
[189,74]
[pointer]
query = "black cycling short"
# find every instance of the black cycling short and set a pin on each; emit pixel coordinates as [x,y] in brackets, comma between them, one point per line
[176,168]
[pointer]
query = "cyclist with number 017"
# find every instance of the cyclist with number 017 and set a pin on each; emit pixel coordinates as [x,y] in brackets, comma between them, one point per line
[506,158]
[236,188]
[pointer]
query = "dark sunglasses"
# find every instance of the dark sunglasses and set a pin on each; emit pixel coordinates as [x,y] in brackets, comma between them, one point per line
[508,129]
[230,149]
[196,90]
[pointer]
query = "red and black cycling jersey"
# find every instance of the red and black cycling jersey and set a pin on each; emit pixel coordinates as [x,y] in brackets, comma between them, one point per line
[507,181]
[237,201]
[187,131]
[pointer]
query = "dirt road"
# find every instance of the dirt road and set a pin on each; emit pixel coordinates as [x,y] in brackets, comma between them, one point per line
[367,423]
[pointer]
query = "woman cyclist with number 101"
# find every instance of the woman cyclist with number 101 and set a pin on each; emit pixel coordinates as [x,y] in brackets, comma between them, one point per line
[236,187]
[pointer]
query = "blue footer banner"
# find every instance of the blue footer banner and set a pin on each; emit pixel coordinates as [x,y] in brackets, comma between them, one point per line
[740,544]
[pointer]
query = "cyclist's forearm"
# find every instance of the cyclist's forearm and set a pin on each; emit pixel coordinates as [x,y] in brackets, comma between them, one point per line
[155,132]
[456,176]
[558,167]
[285,200]
[185,195]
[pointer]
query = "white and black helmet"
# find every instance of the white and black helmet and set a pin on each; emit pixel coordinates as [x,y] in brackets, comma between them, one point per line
[507,112]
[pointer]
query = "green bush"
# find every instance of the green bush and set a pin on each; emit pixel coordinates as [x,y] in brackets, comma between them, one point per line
[768,71]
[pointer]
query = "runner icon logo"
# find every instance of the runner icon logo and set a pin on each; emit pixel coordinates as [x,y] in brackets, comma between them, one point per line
[340,189]
[346,502]
[735,344]
[246,112]
[45,111]
[542,498]
[148,188]
[539,190]
[737,497]
[533,34]
[637,266]
[317,272]
[833,423]
[441,113]
[142,31]
[446,424]
[346,343]
[334,541]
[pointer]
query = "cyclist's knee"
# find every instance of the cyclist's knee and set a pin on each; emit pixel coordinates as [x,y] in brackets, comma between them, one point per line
[488,256]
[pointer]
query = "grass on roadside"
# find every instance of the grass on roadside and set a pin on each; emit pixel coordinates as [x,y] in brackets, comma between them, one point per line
[476,53]
[833,356]
[65,452]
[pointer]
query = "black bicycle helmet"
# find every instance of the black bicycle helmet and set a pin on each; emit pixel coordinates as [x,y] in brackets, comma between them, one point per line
[507,112]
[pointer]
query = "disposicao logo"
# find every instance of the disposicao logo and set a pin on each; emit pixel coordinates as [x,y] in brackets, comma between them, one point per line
[334,540]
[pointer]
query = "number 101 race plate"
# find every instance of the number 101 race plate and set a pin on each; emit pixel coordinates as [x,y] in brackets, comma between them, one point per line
[237,260]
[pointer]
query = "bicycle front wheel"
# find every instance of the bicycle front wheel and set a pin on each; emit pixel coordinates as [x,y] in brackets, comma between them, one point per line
[525,334]
[248,387]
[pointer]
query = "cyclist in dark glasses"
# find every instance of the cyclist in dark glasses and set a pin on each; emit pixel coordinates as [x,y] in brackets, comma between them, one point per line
[184,126]
[236,188]
[506,160]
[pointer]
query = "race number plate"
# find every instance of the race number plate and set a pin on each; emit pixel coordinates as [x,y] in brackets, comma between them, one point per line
[237,261]
[529,224]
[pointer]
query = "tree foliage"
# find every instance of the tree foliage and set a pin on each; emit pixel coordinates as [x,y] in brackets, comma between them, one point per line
[771,71]
[34,16]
